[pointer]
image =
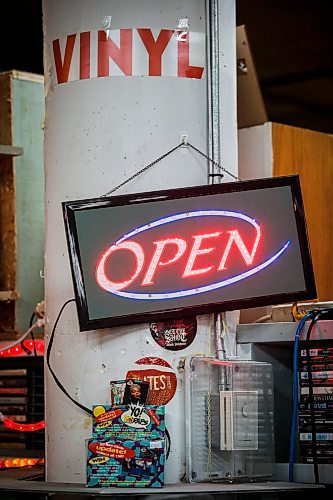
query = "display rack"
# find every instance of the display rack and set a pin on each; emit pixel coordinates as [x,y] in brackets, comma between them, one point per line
[27,375]
[273,343]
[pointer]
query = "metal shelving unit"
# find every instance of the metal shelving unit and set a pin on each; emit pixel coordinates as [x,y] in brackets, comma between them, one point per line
[272,342]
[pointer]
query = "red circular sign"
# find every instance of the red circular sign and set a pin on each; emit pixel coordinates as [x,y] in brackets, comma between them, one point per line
[161,377]
[174,335]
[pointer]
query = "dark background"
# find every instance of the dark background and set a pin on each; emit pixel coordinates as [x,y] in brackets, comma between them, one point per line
[291,41]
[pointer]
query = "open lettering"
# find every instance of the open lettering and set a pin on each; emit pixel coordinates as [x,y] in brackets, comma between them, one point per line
[202,244]
[182,257]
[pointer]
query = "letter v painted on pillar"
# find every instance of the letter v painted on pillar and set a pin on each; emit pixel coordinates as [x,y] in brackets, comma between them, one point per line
[63,67]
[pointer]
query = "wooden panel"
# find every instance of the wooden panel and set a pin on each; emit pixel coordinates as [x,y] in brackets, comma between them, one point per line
[7,205]
[7,226]
[10,150]
[21,199]
[7,320]
[6,129]
[8,295]
[310,154]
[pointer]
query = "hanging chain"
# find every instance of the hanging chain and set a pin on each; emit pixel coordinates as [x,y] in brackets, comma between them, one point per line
[162,158]
[213,161]
[142,170]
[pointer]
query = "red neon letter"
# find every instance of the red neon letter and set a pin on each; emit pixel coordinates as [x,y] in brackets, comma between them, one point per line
[184,68]
[154,48]
[84,55]
[121,55]
[62,69]
[155,261]
[101,277]
[247,256]
[197,251]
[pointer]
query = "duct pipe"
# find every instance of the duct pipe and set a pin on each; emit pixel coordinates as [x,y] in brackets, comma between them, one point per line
[214,174]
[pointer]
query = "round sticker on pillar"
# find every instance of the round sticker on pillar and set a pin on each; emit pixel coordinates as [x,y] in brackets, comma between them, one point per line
[174,335]
[161,377]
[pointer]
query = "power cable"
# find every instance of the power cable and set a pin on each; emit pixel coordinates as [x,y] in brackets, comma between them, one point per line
[48,353]
[319,314]
[295,396]
[311,401]
[32,335]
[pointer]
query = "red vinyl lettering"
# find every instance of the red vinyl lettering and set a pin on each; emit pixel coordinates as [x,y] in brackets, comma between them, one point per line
[121,55]
[155,48]
[62,68]
[184,68]
[85,55]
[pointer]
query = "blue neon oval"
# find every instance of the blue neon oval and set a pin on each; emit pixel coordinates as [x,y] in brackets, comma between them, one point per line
[188,215]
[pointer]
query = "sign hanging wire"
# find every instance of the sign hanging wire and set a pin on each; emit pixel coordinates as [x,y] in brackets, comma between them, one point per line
[147,167]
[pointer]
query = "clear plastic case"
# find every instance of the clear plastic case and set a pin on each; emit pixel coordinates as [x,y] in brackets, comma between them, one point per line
[229,420]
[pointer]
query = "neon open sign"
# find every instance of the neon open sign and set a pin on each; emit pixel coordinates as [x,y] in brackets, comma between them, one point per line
[170,253]
[234,239]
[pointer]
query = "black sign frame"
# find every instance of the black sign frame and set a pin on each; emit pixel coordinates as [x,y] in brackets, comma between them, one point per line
[87,323]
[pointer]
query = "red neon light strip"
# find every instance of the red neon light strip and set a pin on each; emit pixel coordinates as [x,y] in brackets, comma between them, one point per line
[8,463]
[18,351]
[10,424]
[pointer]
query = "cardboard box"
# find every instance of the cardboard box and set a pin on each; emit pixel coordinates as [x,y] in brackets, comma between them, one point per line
[125,463]
[128,422]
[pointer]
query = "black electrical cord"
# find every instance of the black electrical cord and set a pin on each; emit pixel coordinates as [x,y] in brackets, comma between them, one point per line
[32,334]
[48,352]
[62,388]
[31,320]
[23,347]
[295,395]
[319,314]
[167,443]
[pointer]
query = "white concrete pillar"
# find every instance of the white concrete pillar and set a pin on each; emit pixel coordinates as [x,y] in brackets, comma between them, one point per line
[100,130]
